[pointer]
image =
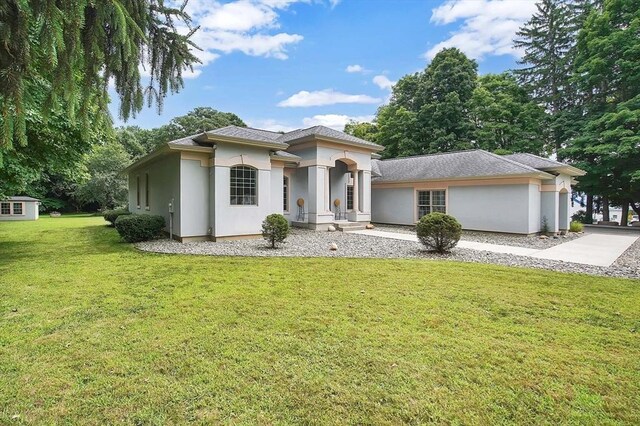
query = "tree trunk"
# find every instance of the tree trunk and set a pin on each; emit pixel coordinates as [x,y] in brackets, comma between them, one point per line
[605,208]
[589,212]
[624,220]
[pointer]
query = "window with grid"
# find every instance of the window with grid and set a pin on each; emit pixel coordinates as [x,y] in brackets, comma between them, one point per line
[349,197]
[5,208]
[285,194]
[244,186]
[431,201]
[17,208]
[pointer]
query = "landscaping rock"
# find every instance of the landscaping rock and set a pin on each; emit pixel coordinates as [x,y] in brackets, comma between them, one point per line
[333,247]
[543,237]
[369,226]
[331,228]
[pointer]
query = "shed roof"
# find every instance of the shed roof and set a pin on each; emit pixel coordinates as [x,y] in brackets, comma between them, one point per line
[21,198]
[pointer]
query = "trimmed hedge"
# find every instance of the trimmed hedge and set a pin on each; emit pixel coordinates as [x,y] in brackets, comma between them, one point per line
[139,227]
[439,232]
[112,215]
[275,229]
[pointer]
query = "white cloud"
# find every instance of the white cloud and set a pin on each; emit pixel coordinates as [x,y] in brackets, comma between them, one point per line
[354,68]
[335,121]
[334,3]
[488,27]
[271,124]
[383,82]
[325,97]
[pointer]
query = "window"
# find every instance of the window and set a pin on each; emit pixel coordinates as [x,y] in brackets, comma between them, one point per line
[431,201]
[146,190]
[17,208]
[285,194]
[349,197]
[243,186]
[138,191]
[5,208]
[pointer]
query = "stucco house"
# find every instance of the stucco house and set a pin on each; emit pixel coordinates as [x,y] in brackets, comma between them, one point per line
[221,184]
[19,208]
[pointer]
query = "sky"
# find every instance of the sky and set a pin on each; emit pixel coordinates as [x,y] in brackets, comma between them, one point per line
[287,64]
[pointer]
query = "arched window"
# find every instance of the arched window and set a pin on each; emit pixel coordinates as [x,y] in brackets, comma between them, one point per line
[244,185]
[285,194]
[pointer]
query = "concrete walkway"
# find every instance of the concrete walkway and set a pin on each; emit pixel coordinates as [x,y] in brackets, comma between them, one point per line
[592,249]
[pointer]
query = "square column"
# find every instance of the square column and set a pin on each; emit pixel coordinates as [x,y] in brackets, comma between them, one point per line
[318,193]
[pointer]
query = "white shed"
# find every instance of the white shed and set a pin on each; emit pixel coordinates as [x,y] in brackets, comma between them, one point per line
[19,208]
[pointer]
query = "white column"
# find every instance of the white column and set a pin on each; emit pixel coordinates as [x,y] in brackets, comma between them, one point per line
[356,194]
[327,201]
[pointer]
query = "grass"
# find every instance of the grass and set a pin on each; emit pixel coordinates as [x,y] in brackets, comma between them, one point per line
[93,332]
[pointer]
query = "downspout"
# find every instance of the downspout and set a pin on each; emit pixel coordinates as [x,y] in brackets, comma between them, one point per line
[211,192]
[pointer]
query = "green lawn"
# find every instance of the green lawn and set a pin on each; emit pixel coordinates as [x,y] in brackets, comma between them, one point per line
[94,332]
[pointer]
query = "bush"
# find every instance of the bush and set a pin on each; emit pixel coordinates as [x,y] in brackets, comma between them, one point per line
[579,216]
[439,232]
[576,226]
[275,229]
[134,228]
[544,227]
[111,215]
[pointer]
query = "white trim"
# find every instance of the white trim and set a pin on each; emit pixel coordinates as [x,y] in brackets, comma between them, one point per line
[11,208]
[416,219]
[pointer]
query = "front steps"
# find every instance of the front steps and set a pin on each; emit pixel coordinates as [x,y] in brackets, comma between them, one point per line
[346,226]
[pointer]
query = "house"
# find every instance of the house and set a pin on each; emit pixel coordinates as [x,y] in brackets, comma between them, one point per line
[19,208]
[221,184]
[484,191]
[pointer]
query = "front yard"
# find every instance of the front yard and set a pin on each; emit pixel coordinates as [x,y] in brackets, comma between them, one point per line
[93,331]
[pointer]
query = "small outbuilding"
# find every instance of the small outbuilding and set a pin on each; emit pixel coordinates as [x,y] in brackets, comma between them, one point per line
[19,208]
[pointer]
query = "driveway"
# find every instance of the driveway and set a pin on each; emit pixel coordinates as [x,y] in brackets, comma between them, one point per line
[592,249]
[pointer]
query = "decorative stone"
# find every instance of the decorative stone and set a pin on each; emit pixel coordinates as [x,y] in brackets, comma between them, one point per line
[55,214]
[333,247]
[543,237]
[331,228]
[369,226]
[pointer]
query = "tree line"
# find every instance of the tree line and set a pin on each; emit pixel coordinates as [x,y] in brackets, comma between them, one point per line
[575,95]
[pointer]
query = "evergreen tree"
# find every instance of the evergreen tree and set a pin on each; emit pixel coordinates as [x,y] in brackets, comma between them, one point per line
[76,47]
[608,75]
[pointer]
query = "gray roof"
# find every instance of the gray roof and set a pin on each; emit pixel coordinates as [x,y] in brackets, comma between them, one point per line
[286,155]
[534,161]
[322,131]
[450,165]
[245,133]
[21,198]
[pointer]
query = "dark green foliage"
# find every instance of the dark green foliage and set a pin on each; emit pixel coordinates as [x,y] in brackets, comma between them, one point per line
[275,229]
[138,141]
[112,215]
[362,130]
[139,227]
[429,110]
[439,232]
[76,47]
[579,216]
[505,118]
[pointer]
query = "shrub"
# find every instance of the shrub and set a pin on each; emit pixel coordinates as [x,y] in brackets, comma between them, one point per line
[139,227]
[111,215]
[579,216]
[544,228]
[275,229]
[439,232]
[576,226]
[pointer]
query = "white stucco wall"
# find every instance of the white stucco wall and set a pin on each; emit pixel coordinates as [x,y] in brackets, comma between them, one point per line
[276,189]
[194,202]
[393,205]
[298,188]
[496,208]
[164,186]
[233,220]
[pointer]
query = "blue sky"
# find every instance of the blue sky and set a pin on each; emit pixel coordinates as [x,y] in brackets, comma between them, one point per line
[284,64]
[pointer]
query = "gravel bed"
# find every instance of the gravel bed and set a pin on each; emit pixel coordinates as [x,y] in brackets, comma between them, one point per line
[305,243]
[527,241]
